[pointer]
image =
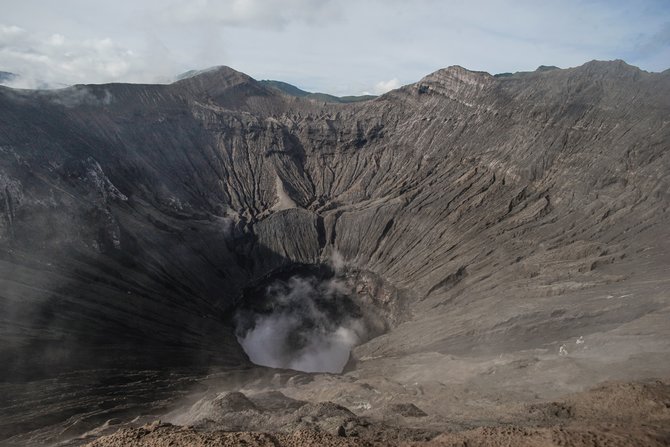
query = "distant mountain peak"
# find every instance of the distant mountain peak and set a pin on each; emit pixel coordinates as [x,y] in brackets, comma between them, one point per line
[214,81]
[219,73]
[6,76]
[454,80]
[292,90]
[547,68]
[285,87]
[456,73]
[615,67]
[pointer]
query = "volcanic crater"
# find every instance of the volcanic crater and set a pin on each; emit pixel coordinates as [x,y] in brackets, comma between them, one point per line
[475,251]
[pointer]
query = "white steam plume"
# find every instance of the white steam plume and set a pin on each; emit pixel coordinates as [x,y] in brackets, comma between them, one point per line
[308,329]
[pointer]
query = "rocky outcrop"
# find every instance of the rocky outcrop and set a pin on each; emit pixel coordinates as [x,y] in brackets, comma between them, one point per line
[557,427]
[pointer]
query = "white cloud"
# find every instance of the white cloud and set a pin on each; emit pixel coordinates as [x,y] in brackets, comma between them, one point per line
[56,39]
[8,31]
[382,87]
[55,60]
[275,14]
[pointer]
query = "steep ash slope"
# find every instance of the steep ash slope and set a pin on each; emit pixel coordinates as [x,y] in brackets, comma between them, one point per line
[515,214]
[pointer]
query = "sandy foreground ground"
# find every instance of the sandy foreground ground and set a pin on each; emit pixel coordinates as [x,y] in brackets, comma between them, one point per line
[613,414]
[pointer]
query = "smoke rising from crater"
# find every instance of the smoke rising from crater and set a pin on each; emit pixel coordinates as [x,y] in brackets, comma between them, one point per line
[306,324]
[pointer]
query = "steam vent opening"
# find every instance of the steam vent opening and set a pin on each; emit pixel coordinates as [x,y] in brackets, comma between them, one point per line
[309,318]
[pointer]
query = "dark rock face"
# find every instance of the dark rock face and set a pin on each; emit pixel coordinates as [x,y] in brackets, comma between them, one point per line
[515,212]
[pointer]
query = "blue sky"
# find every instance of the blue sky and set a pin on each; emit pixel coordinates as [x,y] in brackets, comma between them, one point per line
[334,46]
